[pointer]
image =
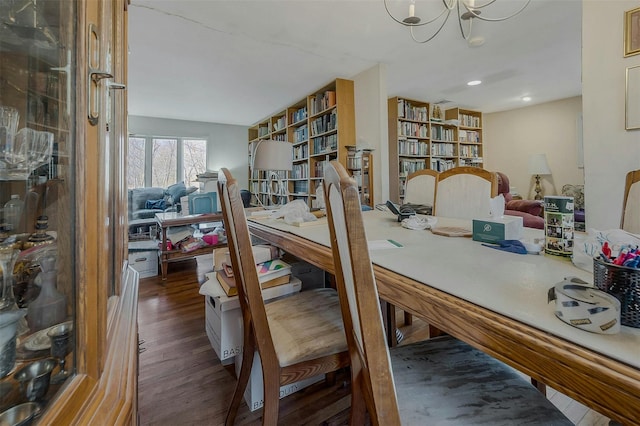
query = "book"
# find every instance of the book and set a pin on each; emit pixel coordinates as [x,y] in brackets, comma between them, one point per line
[272,269]
[228,284]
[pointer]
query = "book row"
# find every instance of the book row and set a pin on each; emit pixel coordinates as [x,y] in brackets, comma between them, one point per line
[280,123]
[410,112]
[324,144]
[325,123]
[301,186]
[322,101]
[443,149]
[469,151]
[469,136]
[300,152]
[413,129]
[440,164]
[469,120]
[442,133]
[300,171]
[301,134]
[413,147]
[299,115]
[410,166]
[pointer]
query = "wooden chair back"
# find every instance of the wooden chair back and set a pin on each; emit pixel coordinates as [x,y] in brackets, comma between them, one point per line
[297,337]
[631,204]
[420,187]
[243,262]
[372,379]
[465,192]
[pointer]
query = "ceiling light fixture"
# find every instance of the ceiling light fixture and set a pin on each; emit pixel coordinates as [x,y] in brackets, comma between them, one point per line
[467,11]
[526,98]
[474,83]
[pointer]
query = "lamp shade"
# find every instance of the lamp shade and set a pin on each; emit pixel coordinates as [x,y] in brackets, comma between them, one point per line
[538,165]
[272,155]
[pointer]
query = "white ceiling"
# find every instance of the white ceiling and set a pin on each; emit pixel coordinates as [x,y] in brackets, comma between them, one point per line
[238,61]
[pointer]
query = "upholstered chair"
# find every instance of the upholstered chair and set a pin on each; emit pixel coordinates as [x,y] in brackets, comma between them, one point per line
[631,204]
[297,337]
[465,192]
[529,210]
[420,187]
[440,381]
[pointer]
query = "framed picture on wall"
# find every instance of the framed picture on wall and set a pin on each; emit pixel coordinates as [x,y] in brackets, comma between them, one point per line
[632,32]
[632,99]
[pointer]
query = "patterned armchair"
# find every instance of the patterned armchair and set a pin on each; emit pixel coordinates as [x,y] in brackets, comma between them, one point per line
[577,192]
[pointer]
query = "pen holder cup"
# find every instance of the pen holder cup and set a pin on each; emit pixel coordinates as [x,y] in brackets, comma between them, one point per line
[624,284]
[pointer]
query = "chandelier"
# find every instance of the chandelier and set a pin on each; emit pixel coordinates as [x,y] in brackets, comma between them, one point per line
[466,11]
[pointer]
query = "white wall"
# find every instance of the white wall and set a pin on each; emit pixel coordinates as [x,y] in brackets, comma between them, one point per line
[228,144]
[610,151]
[551,128]
[370,92]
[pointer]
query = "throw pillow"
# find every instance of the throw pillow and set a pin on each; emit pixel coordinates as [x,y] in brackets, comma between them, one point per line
[174,192]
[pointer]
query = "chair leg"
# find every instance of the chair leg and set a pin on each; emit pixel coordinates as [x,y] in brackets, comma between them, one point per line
[248,352]
[358,406]
[271,386]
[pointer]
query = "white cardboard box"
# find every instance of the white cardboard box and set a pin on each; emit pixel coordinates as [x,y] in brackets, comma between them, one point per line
[254,394]
[145,262]
[493,229]
[223,318]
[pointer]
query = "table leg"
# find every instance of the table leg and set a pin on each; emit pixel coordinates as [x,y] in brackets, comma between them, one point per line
[389,319]
[164,264]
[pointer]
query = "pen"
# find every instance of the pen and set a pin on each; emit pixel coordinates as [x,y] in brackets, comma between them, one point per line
[395,243]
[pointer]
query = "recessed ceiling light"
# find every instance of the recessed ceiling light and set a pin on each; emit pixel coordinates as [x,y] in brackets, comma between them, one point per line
[474,83]
[526,98]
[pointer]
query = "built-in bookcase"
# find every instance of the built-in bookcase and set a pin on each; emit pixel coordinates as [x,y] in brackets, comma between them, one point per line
[319,127]
[422,137]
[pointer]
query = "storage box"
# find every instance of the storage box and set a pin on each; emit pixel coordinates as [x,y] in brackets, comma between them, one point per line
[223,318]
[494,229]
[145,262]
[254,394]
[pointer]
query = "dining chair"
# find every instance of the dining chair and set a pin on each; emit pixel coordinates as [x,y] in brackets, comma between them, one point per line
[420,187]
[631,204]
[465,192]
[439,381]
[297,337]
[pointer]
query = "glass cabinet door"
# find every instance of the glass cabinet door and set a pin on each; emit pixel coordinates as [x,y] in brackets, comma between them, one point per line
[38,238]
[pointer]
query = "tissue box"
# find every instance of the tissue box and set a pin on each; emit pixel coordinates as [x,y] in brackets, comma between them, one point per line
[494,229]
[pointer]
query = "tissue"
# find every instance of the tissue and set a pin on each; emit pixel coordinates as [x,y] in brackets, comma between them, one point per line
[496,206]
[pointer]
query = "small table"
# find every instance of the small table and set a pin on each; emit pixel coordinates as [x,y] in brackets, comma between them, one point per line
[165,220]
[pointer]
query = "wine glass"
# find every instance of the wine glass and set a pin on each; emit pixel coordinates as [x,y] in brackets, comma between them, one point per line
[61,345]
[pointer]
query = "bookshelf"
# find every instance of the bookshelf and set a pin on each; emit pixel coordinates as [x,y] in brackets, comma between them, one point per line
[469,135]
[360,166]
[408,142]
[319,127]
[422,137]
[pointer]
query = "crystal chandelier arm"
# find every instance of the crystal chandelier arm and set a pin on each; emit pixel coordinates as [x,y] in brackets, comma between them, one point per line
[477,15]
[448,7]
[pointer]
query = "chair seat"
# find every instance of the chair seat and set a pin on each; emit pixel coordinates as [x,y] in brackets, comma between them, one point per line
[307,325]
[444,381]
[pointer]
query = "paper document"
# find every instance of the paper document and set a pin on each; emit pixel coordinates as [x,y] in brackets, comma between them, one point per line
[383,244]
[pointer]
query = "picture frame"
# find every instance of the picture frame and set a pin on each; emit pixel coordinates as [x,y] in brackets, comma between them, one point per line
[632,98]
[632,32]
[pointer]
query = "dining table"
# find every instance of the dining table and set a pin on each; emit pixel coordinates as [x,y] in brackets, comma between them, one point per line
[494,300]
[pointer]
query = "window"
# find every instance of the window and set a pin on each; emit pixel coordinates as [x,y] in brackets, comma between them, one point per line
[162,161]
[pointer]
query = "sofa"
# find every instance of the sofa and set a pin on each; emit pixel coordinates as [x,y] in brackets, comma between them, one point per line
[529,210]
[144,203]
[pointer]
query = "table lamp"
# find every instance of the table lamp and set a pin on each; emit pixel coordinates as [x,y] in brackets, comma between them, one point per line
[273,157]
[538,166]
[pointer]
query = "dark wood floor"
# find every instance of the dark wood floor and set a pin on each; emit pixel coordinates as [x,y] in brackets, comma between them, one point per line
[182,382]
